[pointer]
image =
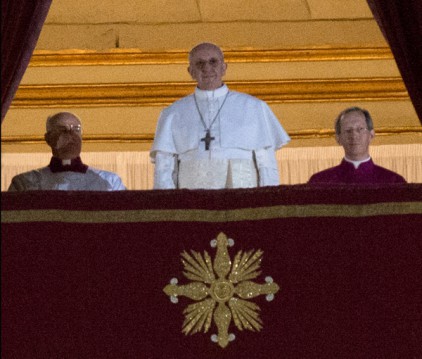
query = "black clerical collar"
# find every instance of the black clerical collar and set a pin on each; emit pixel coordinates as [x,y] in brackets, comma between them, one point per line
[75,165]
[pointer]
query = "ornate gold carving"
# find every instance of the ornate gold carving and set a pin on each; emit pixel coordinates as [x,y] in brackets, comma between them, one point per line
[116,57]
[222,290]
[112,138]
[149,137]
[165,93]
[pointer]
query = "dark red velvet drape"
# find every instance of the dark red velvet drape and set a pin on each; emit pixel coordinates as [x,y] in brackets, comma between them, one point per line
[82,273]
[21,23]
[401,24]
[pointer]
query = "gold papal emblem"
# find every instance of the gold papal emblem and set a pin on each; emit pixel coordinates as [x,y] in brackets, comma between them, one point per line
[222,289]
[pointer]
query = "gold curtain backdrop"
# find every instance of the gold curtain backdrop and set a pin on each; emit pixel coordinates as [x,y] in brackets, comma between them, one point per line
[296,164]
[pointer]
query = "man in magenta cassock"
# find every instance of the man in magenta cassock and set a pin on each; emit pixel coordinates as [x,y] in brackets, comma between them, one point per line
[355,131]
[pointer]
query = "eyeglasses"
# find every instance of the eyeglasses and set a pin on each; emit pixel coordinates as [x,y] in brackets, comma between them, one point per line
[67,128]
[350,131]
[213,62]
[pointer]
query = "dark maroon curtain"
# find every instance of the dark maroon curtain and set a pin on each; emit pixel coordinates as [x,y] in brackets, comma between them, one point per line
[21,23]
[83,273]
[401,24]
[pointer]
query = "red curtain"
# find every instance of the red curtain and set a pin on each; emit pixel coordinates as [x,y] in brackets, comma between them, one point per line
[21,23]
[401,24]
[83,273]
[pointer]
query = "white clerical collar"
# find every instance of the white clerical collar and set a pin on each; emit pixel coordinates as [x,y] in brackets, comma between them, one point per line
[66,162]
[206,94]
[357,163]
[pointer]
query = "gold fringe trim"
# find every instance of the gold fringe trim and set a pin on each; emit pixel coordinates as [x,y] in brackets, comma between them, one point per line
[201,215]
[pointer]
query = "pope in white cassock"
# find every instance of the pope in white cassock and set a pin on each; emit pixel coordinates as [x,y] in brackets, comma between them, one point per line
[216,138]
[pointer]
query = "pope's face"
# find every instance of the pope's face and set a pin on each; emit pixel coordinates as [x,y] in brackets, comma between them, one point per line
[355,136]
[207,67]
[65,137]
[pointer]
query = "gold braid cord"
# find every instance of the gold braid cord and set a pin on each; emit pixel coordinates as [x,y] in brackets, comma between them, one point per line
[222,291]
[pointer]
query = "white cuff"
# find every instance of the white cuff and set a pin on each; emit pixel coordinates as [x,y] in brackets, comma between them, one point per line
[267,167]
[165,171]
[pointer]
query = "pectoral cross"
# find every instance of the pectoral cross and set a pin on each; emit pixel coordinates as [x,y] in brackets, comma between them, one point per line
[207,139]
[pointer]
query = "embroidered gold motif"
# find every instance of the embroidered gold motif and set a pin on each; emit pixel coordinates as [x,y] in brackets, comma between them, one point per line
[222,290]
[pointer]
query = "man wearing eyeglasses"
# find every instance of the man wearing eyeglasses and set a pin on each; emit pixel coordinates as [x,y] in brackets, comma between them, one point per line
[66,170]
[354,131]
[216,138]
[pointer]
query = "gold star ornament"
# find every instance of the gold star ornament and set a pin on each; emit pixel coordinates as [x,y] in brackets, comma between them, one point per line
[222,290]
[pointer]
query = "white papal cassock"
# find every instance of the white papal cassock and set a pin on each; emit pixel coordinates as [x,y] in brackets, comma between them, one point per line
[245,134]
